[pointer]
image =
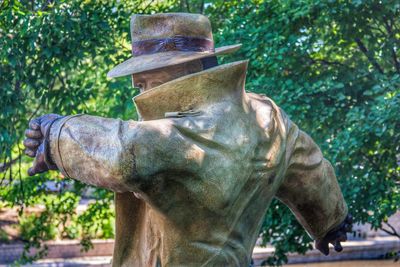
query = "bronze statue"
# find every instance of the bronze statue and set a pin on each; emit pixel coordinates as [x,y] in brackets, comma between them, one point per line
[194,177]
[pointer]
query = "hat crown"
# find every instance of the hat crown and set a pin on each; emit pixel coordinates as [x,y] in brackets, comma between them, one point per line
[162,40]
[168,25]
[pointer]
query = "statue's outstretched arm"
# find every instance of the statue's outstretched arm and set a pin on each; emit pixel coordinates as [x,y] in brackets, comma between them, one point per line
[94,150]
[118,155]
[311,191]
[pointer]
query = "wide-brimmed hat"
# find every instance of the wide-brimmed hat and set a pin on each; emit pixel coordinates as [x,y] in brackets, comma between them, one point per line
[162,40]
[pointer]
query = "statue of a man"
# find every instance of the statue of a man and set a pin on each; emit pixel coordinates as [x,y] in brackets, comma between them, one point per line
[194,177]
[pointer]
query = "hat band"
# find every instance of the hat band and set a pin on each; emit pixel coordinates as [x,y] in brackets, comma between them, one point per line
[175,43]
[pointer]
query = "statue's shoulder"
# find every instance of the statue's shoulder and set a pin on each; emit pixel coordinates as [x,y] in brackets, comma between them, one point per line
[268,113]
[262,103]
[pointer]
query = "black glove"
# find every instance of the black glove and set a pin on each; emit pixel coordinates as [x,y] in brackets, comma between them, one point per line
[36,143]
[335,236]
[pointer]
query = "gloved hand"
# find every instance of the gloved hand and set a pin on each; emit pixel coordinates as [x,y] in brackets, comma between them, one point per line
[35,141]
[335,236]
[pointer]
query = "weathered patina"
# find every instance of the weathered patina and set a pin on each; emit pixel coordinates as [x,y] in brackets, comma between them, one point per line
[194,178]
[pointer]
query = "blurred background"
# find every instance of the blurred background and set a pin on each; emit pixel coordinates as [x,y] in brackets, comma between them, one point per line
[333,66]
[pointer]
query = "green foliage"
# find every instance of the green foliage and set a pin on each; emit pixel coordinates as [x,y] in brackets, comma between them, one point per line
[97,221]
[36,228]
[3,236]
[284,233]
[333,66]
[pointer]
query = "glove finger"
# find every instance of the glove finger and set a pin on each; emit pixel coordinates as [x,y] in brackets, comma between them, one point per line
[31,171]
[323,247]
[34,134]
[34,124]
[338,247]
[30,153]
[34,170]
[31,143]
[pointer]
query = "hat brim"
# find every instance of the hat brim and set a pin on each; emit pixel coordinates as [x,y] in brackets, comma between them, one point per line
[164,59]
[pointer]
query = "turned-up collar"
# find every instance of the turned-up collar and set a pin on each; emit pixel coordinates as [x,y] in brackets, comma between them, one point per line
[191,92]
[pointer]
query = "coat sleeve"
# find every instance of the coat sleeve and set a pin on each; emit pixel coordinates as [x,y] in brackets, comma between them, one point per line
[310,188]
[115,154]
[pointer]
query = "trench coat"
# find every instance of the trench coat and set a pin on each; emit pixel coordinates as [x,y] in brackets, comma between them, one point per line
[194,178]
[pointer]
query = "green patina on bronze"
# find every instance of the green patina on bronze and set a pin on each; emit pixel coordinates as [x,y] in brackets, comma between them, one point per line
[194,177]
[194,189]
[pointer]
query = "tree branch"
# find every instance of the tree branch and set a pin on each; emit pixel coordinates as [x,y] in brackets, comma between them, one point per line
[5,166]
[389,30]
[371,59]
[324,62]
[146,7]
[21,183]
[187,6]
[327,62]
[202,7]
[395,60]
[393,232]
[61,79]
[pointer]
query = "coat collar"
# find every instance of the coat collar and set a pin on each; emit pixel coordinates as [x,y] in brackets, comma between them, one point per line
[191,92]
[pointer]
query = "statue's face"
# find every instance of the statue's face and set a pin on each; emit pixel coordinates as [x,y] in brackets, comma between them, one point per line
[149,79]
